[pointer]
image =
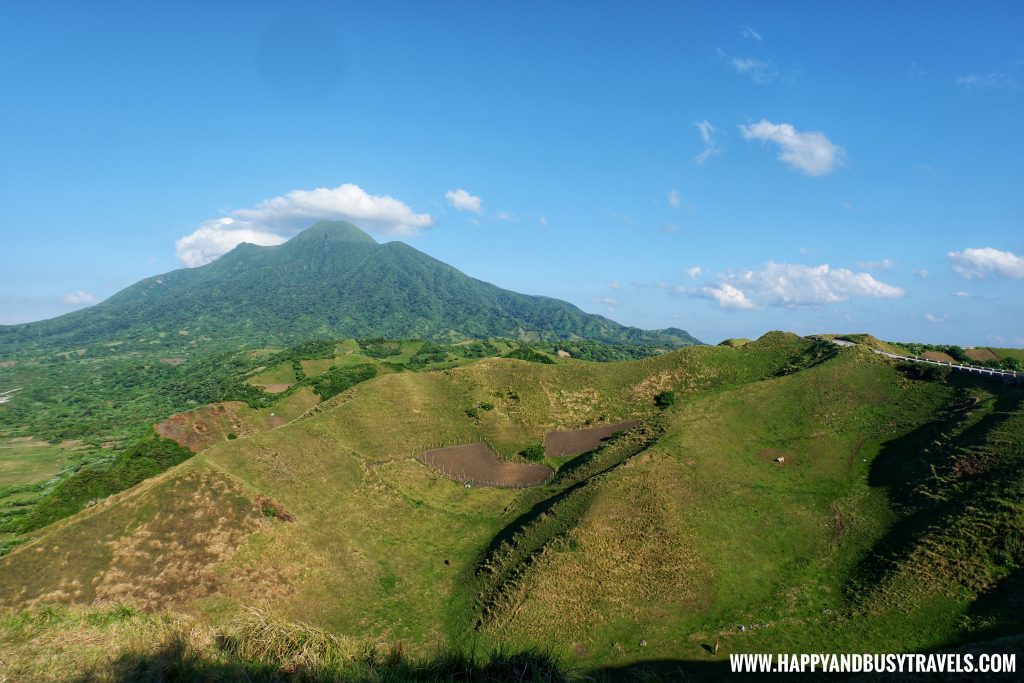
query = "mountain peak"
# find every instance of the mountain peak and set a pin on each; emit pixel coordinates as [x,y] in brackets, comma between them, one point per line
[334,231]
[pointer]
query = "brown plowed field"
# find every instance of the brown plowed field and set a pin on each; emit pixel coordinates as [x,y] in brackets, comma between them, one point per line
[982,355]
[562,444]
[478,464]
[939,356]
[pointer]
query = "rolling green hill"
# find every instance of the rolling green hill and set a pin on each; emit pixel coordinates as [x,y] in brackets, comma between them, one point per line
[332,280]
[795,497]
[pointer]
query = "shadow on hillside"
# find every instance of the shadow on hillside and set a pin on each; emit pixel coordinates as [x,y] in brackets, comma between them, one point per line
[1002,605]
[656,670]
[178,661]
[906,464]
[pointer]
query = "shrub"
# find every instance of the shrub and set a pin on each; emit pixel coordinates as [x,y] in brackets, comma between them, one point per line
[665,399]
[337,380]
[534,452]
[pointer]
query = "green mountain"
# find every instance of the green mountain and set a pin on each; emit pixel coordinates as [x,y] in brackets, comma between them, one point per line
[332,280]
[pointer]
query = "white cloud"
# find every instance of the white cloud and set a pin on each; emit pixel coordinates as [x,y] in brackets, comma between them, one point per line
[884,264]
[80,298]
[464,201]
[936,319]
[607,300]
[504,216]
[790,285]
[920,274]
[962,295]
[728,296]
[707,136]
[217,237]
[751,34]
[1007,77]
[805,250]
[614,285]
[543,220]
[694,272]
[758,70]
[674,200]
[980,263]
[298,209]
[810,151]
[273,221]
[915,71]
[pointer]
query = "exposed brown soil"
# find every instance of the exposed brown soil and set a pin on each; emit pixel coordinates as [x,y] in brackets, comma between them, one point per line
[939,356]
[177,360]
[275,388]
[982,355]
[573,442]
[201,428]
[478,464]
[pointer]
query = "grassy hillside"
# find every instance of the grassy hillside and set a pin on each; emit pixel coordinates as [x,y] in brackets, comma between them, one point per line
[795,497]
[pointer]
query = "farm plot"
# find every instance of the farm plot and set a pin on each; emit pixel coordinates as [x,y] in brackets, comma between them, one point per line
[276,379]
[573,442]
[478,464]
[939,356]
[982,355]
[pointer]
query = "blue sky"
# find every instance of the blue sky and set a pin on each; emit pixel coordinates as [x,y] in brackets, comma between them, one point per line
[727,168]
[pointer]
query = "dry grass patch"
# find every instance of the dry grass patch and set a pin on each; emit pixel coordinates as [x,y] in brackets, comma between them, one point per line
[155,545]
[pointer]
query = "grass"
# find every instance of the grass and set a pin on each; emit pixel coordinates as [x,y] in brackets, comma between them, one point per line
[282,373]
[1010,353]
[124,644]
[890,524]
[23,461]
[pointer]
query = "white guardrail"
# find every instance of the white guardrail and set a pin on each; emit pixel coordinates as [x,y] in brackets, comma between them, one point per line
[1007,375]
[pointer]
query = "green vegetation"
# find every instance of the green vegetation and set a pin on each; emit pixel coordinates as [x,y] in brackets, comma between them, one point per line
[331,280]
[582,349]
[96,481]
[534,452]
[665,399]
[77,397]
[957,352]
[528,354]
[781,495]
[337,380]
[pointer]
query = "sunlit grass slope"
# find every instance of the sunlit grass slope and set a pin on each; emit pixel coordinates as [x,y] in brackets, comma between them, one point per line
[796,497]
